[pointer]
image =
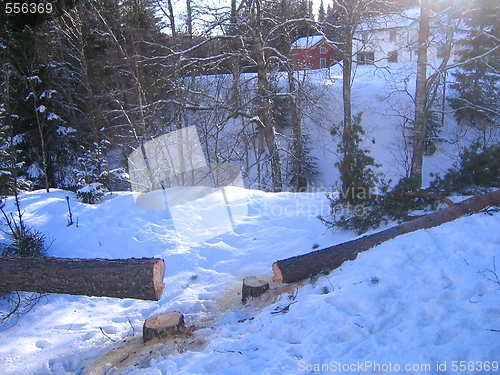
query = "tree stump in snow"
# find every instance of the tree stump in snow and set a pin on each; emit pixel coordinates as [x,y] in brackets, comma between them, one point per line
[253,287]
[163,325]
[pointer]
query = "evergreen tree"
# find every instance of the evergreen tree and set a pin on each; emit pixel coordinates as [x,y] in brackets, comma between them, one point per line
[321,12]
[33,107]
[307,164]
[477,80]
[350,14]
[358,181]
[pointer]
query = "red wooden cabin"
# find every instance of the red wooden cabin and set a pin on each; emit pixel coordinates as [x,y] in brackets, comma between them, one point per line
[313,52]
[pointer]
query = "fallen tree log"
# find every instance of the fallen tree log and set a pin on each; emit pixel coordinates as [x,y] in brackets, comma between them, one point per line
[303,266]
[120,278]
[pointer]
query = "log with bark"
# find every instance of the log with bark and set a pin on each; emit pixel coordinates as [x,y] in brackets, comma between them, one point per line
[303,266]
[120,278]
[163,325]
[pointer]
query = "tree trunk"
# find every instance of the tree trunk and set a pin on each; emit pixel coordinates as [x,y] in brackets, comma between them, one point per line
[266,127]
[163,325]
[346,163]
[303,266]
[235,61]
[119,278]
[299,182]
[420,125]
[171,18]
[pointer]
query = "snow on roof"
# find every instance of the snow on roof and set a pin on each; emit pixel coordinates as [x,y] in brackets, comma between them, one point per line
[307,41]
[392,21]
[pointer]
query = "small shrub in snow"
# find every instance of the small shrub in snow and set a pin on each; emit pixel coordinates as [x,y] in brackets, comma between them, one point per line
[31,243]
[91,193]
[25,241]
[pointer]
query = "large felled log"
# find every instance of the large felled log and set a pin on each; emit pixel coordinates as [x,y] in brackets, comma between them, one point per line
[163,325]
[120,278]
[303,266]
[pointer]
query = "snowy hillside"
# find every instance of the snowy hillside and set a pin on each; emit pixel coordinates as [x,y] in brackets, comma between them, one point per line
[382,95]
[425,299]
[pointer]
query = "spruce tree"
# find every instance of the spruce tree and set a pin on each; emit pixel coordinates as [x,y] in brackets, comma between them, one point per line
[302,171]
[477,80]
[321,12]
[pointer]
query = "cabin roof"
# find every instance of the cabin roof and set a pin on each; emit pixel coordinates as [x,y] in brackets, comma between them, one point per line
[307,42]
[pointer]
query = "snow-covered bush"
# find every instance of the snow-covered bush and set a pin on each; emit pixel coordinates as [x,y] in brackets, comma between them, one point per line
[115,179]
[91,193]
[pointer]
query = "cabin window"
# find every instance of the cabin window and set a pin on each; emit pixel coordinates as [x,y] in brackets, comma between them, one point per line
[366,58]
[322,50]
[392,57]
[322,63]
[392,35]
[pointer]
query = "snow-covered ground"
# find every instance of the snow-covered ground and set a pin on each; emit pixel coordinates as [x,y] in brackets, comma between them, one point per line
[422,303]
[422,300]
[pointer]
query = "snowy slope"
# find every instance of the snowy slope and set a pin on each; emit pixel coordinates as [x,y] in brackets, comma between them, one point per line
[426,298]
[384,96]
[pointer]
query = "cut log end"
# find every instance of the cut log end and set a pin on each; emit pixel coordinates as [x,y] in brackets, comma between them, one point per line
[278,275]
[163,325]
[253,287]
[158,275]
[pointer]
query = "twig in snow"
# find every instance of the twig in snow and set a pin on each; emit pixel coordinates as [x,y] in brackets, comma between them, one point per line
[283,310]
[106,335]
[493,272]
[70,215]
[227,351]
[490,210]
[133,329]
[447,278]
[478,301]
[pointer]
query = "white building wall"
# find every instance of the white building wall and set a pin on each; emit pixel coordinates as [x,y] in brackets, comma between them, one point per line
[404,40]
